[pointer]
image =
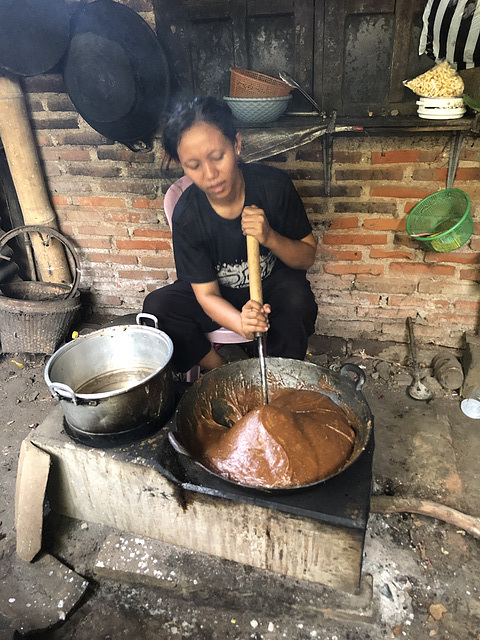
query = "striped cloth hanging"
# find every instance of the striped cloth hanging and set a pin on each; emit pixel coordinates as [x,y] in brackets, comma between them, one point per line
[451,32]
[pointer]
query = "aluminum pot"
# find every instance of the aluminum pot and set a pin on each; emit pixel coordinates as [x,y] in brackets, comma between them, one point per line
[207,396]
[115,382]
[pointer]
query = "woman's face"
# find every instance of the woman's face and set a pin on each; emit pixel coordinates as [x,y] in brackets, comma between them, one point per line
[210,159]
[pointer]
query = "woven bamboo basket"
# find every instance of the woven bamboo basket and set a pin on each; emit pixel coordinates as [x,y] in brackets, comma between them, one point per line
[36,316]
[251,84]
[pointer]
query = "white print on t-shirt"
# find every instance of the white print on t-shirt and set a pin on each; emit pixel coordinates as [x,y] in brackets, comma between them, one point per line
[235,276]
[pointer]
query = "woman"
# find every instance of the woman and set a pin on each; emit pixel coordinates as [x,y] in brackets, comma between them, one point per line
[227,201]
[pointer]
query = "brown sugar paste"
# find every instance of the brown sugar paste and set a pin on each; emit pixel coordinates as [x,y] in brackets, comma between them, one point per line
[300,437]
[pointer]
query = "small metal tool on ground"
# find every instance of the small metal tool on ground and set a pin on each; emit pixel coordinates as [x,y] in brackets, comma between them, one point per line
[417,389]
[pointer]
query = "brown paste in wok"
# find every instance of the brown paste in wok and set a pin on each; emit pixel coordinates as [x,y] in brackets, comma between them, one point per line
[300,437]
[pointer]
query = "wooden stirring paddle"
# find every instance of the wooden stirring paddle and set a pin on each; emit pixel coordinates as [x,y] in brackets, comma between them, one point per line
[253,255]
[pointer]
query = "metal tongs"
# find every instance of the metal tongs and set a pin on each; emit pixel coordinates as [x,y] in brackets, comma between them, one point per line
[291,83]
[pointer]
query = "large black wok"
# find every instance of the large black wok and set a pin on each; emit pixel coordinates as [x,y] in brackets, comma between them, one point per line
[34,35]
[116,73]
[208,395]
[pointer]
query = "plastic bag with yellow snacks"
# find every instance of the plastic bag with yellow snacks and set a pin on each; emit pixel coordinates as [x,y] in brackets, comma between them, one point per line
[442,81]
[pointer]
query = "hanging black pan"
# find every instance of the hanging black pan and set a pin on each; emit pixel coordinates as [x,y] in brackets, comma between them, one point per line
[116,73]
[34,35]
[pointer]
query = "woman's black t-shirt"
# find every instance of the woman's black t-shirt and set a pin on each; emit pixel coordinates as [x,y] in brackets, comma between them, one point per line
[208,247]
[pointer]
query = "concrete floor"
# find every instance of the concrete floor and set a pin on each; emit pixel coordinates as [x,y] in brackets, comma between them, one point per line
[420,574]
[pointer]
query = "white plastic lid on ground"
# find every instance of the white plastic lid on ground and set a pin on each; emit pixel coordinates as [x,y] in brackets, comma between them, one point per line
[471,408]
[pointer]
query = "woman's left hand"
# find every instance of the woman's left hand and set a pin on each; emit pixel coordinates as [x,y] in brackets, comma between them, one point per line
[255,224]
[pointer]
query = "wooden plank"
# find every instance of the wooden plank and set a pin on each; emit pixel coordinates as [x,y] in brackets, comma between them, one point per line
[304,22]
[334,48]
[32,476]
[370,6]
[98,486]
[404,14]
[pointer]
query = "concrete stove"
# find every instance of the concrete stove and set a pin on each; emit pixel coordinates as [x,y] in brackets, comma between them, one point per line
[147,489]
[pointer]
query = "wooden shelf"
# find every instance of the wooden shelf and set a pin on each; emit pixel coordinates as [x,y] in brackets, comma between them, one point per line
[376,125]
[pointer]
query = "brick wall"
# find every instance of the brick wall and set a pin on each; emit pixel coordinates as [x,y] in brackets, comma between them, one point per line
[368,276]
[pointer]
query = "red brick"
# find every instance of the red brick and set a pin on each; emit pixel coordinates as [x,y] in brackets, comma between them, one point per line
[354,238]
[385,224]
[400,156]
[158,262]
[135,245]
[90,138]
[343,269]
[424,175]
[449,319]
[344,223]
[114,259]
[466,173]
[136,274]
[475,244]
[399,192]
[147,203]
[416,303]
[360,175]
[71,155]
[98,201]
[421,269]
[468,305]
[450,289]
[347,157]
[380,312]
[341,255]
[363,298]
[44,83]
[100,230]
[452,256]
[124,155]
[132,217]
[75,214]
[93,243]
[470,274]
[386,208]
[58,201]
[151,233]
[391,255]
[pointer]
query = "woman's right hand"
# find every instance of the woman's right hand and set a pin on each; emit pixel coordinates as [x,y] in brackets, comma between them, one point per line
[254,318]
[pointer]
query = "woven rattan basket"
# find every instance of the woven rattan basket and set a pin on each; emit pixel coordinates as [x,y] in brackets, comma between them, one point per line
[251,84]
[36,316]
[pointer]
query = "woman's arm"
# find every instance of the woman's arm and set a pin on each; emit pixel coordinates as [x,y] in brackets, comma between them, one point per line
[252,318]
[297,254]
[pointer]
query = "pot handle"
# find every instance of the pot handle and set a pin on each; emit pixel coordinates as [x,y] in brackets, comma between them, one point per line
[60,390]
[177,446]
[147,316]
[359,375]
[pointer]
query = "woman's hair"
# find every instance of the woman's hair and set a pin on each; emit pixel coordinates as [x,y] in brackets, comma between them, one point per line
[201,109]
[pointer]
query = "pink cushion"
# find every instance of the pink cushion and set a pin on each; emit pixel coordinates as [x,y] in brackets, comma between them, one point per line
[174,192]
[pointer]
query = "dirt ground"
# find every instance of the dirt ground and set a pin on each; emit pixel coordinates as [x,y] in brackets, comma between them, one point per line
[420,573]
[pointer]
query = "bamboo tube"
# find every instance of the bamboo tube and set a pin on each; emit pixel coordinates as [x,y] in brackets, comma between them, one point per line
[24,164]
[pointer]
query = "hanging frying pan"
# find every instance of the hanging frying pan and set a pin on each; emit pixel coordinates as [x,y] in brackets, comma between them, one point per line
[116,73]
[34,35]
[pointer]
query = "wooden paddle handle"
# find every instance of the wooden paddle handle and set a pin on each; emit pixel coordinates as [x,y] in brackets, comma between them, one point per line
[253,255]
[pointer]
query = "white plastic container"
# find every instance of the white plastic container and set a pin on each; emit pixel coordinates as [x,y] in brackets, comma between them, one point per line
[471,406]
[440,108]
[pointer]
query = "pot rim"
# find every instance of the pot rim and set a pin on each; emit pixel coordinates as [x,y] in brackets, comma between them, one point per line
[109,332]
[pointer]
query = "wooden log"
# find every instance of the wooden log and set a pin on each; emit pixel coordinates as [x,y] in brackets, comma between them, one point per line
[24,164]
[392,504]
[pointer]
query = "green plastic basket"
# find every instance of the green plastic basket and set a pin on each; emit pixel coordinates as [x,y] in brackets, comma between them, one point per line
[442,221]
